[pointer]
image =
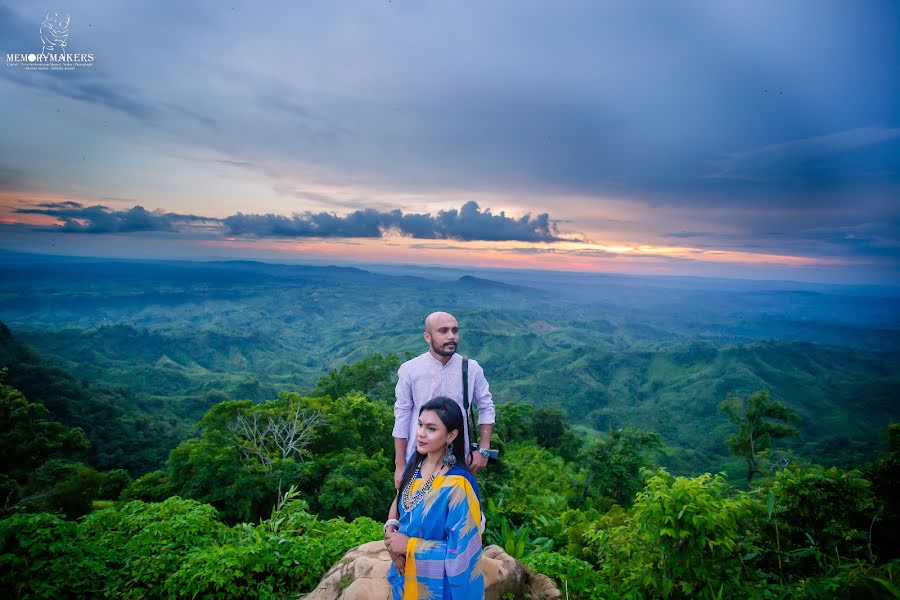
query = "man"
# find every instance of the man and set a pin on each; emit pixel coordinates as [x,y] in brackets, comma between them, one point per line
[438,372]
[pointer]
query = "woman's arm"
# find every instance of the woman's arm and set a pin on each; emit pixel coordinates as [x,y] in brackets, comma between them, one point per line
[390,532]
[393,511]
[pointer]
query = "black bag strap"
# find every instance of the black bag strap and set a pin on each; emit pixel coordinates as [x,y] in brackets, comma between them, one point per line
[465,378]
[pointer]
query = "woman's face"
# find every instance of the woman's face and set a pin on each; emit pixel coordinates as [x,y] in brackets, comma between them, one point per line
[431,433]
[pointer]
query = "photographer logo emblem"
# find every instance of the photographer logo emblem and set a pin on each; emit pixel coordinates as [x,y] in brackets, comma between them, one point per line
[54,54]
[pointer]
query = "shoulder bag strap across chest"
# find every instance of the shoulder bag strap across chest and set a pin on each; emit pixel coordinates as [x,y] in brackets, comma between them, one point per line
[465,383]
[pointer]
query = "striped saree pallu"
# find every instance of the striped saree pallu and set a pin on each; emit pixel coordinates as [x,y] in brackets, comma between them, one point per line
[443,558]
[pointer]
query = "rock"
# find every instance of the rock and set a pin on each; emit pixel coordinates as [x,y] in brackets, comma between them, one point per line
[362,575]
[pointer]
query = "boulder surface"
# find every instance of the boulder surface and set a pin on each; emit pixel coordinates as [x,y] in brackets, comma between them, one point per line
[362,575]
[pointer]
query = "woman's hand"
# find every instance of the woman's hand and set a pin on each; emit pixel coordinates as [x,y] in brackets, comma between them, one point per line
[399,562]
[388,532]
[396,543]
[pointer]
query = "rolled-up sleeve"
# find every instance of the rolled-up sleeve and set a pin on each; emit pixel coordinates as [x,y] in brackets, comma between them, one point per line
[483,399]
[403,403]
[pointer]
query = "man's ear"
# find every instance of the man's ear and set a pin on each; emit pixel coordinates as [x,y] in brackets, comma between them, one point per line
[427,337]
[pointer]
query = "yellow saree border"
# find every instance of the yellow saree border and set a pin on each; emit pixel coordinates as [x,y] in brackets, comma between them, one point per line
[410,585]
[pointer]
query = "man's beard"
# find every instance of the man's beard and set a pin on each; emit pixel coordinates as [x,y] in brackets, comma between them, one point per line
[442,352]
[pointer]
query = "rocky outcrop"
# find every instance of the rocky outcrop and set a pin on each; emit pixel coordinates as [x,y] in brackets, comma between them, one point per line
[362,575]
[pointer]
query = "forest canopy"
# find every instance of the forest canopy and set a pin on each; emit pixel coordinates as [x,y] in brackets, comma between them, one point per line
[228,433]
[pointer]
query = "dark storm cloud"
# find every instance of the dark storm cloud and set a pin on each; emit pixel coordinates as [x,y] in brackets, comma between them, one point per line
[688,106]
[77,218]
[836,160]
[468,223]
[836,236]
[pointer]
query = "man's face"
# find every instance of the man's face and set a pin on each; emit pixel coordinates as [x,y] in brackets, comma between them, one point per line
[443,335]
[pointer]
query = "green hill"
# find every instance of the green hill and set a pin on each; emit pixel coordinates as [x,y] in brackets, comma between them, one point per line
[165,341]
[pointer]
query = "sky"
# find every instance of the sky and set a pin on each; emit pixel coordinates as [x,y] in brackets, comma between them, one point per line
[748,139]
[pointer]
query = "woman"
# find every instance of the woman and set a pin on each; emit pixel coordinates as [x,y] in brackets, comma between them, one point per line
[433,530]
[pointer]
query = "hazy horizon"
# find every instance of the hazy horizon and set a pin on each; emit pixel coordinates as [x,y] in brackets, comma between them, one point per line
[454,272]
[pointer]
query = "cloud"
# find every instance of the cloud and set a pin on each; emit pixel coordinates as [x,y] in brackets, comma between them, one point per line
[77,218]
[12,178]
[467,224]
[93,90]
[689,234]
[786,158]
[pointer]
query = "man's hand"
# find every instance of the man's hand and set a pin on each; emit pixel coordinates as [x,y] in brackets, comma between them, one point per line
[398,476]
[477,462]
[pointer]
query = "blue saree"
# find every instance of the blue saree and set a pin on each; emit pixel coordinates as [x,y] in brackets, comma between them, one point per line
[443,558]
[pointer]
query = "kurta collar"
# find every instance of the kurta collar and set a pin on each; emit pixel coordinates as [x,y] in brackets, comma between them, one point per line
[453,360]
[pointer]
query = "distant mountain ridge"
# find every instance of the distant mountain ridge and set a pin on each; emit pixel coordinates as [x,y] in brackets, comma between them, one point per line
[178,337]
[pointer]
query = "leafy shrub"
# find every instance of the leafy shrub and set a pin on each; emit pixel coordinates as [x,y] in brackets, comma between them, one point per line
[286,554]
[155,486]
[37,557]
[683,538]
[141,544]
[519,541]
[527,468]
[576,578]
[374,376]
[823,516]
[852,580]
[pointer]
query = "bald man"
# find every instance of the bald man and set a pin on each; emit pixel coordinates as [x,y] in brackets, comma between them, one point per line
[438,372]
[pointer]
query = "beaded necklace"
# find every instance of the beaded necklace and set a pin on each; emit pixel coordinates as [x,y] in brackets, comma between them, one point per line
[410,500]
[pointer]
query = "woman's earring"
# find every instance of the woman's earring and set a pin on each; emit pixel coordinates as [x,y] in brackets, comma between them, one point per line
[449,457]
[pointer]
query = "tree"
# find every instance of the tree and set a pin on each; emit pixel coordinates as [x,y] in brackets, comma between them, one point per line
[355,485]
[154,486]
[760,420]
[28,439]
[613,466]
[350,421]
[113,484]
[549,427]
[121,433]
[273,437]
[68,488]
[515,422]
[374,376]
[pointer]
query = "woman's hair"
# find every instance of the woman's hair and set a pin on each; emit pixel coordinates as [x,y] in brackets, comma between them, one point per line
[451,416]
